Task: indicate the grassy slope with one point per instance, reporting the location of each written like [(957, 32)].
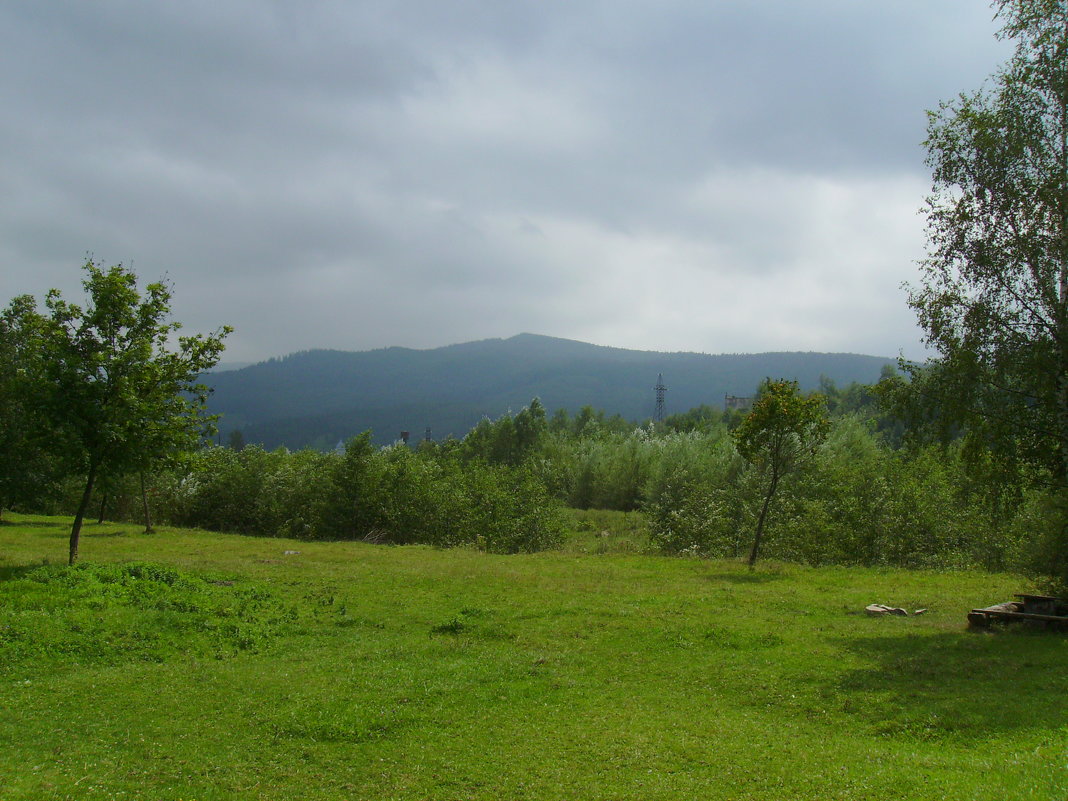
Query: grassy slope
[(416, 673)]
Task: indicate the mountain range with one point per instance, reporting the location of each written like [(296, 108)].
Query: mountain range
[(319, 397)]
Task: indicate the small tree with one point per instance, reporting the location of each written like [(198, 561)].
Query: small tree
[(779, 434), (116, 388)]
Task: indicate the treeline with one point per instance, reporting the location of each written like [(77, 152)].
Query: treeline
[(872, 494), (385, 495)]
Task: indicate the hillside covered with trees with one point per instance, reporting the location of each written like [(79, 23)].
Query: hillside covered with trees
[(317, 398)]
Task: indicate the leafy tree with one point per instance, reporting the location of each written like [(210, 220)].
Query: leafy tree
[(700, 418), (26, 464), (781, 431), (530, 428), (508, 440), (994, 296), (116, 388), (560, 422)]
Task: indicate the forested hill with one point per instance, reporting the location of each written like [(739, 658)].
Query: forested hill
[(319, 397)]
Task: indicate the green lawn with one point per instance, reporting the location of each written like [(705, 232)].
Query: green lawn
[(230, 669)]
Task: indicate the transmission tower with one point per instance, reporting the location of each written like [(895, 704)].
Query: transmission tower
[(660, 390)]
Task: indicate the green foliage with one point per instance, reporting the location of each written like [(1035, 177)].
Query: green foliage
[(391, 495), (699, 497), (250, 491), (994, 297), (855, 503), (141, 611), (868, 403), (115, 385), (995, 288), (605, 471), (508, 440), (29, 468), (607, 531), (783, 429), (401, 497), (1041, 528), (699, 418), (113, 390), (781, 432)]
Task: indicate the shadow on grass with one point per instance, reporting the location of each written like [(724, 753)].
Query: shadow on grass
[(744, 577), (36, 523), (90, 532), (958, 684), (13, 572)]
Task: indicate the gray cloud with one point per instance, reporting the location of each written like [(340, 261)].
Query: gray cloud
[(675, 175)]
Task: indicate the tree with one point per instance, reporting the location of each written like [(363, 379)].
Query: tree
[(236, 440), (116, 387), (26, 466), (993, 301), (530, 429), (508, 440), (781, 432)]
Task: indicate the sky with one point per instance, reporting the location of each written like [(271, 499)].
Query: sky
[(717, 176)]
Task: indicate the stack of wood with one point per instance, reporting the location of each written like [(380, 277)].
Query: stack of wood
[(1044, 609)]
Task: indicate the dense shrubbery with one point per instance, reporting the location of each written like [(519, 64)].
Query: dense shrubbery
[(857, 503), (391, 495), (859, 500)]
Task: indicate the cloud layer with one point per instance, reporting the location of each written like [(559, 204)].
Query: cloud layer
[(677, 175)]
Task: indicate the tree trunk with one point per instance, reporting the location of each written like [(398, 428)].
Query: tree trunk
[(76, 529), (763, 516), (103, 507), (144, 504), (1062, 311)]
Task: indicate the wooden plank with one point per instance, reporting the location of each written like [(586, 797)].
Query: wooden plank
[(1018, 615)]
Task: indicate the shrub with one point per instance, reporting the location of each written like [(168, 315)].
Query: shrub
[(857, 503), (393, 495)]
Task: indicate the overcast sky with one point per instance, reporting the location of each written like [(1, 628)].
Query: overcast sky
[(681, 175)]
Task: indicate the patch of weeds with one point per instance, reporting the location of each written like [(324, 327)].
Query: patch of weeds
[(466, 622), (455, 625), (598, 531), (129, 612)]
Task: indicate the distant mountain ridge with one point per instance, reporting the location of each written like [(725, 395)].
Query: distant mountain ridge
[(315, 398)]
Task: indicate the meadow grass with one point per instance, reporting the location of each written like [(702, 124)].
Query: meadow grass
[(607, 531), (193, 665)]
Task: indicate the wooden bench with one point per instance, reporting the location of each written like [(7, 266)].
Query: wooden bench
[(1039, 608)]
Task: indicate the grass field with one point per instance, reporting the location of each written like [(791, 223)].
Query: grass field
[(195, 666)]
